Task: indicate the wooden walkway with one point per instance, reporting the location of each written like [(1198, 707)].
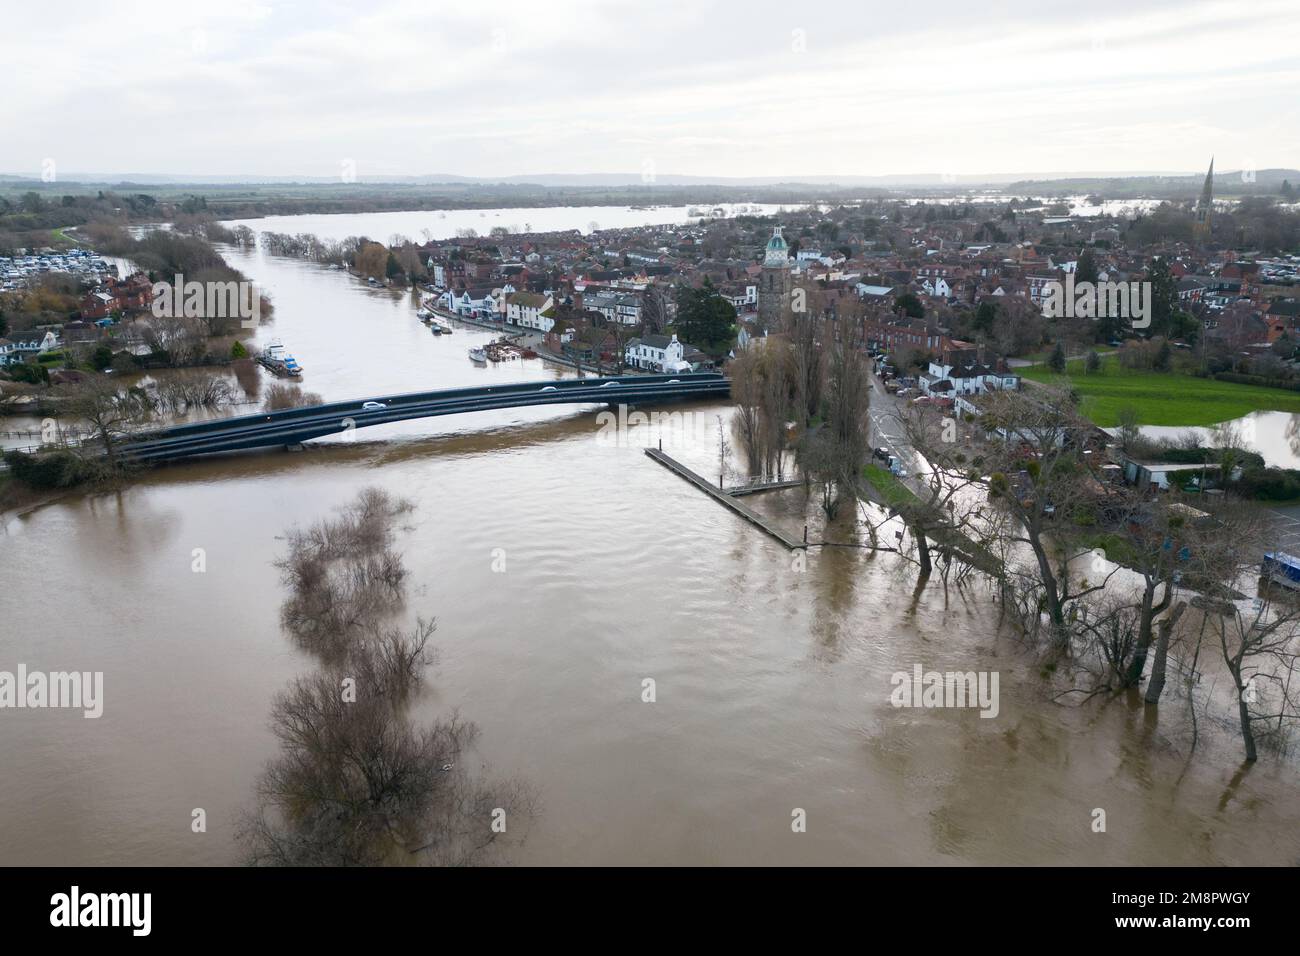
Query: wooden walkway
[(726, 499), (757, 485)]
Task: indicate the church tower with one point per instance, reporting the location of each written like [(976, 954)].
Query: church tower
[(774, 283), (1205, 205)]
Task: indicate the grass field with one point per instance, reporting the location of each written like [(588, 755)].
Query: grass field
[(1163, 398), (890, 489)]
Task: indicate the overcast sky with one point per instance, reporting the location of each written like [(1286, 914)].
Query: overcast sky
[(499, 87)]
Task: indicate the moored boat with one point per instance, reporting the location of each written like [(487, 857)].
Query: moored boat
[(277, 358), (478, 354)]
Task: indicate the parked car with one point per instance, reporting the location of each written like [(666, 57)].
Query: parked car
[(881, 453)]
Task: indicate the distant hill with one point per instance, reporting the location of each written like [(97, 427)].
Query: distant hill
[(606, 188), (927, 180), (1229, 183)]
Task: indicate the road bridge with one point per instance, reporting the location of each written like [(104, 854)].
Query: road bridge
[(296, 425)]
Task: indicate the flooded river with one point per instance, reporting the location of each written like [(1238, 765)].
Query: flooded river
[(420, 225), (772, 675)]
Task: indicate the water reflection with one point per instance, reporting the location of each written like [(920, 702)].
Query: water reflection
[(1275, 435)]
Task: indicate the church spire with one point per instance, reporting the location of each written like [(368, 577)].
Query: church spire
[(1205, 205)]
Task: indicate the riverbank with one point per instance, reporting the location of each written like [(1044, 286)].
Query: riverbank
[(535, 343)]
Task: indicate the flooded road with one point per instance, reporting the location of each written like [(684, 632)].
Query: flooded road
[(564, 570)]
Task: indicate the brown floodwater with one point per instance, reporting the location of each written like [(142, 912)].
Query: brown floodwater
[(772, 677)]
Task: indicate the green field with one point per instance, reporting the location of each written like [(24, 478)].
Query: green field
[(892, 491), (1164, 398)]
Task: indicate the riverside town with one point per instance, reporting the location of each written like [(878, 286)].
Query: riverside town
[(616, 435)]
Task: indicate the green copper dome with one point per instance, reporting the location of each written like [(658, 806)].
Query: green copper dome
[(777, 250)]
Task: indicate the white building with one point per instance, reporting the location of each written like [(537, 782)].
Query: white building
[(937, 286), (744, 301), (529, 310), (956, 374), (621, 308), (32, 343), (657, 353)]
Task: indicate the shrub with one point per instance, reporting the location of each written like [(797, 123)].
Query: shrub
[(1270, 484), (31, 374), (1240, 378), (53, 469)]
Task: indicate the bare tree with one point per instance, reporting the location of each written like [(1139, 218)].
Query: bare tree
[(110, 410), (654, 309), (834, 452), (1257, 645), (280, 396), (182, 339), (1037, 472), (182, 391), (762, 387), (805, 334)]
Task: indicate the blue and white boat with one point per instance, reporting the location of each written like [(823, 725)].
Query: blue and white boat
[(1282, 569), (277, 358)]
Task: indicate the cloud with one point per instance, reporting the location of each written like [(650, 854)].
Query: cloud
[(700, 88)]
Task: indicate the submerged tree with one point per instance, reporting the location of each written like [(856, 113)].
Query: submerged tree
[(343, 574), (357, 781), (762, 386)]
